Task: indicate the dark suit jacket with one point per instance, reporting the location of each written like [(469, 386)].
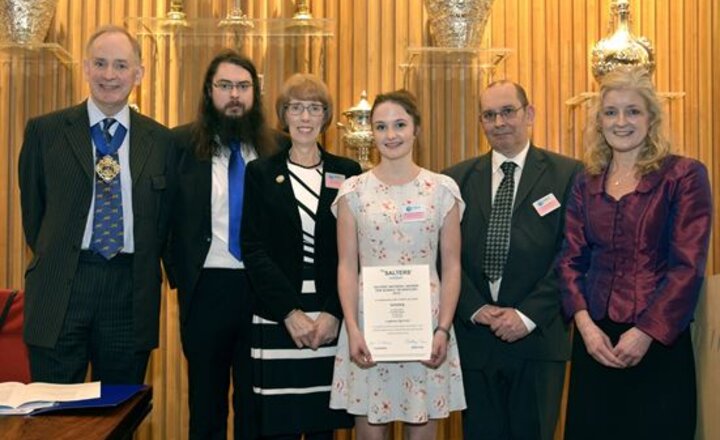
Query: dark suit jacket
[(272, 237), (56, 188), (190, 226), (529, 282)]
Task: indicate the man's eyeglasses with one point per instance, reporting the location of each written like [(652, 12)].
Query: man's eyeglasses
[(506, 113), (296, 109), (227, 86)]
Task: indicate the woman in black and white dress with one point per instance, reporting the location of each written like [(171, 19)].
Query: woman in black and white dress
[(290, 253)]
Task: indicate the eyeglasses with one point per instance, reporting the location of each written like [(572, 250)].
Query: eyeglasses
[(506, 113), (296, 109), (228, 86)]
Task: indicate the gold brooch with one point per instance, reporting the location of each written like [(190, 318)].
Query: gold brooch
[(107, 168), (280, 178)]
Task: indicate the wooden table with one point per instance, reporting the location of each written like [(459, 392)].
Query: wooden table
[(116, 423)]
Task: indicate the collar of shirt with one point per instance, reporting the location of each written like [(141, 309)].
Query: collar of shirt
[(96, 115), (248, 153), (519, 159)]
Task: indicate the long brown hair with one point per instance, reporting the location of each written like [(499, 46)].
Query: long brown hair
[(205, 128)]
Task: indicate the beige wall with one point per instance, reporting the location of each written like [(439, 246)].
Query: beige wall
[(550, 40)]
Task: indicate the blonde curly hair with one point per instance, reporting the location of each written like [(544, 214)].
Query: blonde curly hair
[(598, 152)]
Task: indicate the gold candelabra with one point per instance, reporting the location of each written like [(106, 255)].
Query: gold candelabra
[(236, 18), (176, 15), (621, 48), (302, 10)]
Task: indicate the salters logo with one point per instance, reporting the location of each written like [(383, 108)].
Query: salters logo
[(396, 273)]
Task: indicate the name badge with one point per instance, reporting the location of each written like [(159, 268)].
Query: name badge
[(413, 213), (334, 180), (547, 204)]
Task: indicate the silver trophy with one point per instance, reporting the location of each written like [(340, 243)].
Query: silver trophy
[(458, 23), (25, 22), (358, 133)]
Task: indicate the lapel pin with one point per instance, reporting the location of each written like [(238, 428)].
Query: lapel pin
[(280, 178)]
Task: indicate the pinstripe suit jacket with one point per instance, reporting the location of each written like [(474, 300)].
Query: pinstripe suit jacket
[(56, 188)]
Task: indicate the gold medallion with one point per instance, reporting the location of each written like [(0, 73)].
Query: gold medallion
[(107, 168)]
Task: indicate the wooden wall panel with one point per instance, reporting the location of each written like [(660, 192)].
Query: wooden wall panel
[(550, 39), (711, 123)]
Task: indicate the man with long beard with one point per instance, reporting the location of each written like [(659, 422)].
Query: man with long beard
[(203, 259)]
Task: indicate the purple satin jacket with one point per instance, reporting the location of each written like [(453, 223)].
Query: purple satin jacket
[(641, 259)]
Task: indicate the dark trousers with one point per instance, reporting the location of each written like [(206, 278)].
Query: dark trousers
[(98, 328), (216, 342), (324, 435), (512, 398), (655, 400)]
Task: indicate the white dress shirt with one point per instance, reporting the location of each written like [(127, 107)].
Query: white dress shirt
[(219, 255), (497, 176)]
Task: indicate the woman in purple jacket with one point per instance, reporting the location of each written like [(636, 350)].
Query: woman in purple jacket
[(637, 231)]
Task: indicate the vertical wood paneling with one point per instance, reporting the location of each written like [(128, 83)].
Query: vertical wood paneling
[(704, 82), (565, 77), (677, 69), (690, 141), (578, 75), (345, 61), (711, 121), (400, 28), (550, 40), (553, 77), (537, 67), (508, 22)]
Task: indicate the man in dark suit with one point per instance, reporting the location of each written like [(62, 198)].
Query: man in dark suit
[(94, 180), (513, 343), (203, 259)]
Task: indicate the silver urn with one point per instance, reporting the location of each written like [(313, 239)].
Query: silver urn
[(358, 131), (458, 23), (25, 22)]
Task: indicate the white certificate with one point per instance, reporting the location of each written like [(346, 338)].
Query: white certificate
[(397, 320)]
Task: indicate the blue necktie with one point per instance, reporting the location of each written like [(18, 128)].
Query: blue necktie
[(107, 236), (236, 182)]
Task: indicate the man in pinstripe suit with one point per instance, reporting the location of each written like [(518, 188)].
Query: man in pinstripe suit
[(94, 180)]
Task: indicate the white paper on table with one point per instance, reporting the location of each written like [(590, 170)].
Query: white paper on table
[(14, 395)]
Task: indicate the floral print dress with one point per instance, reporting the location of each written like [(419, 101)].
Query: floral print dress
[(403, 391)]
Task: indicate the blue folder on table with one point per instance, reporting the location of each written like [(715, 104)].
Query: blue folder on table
[(110, 396)]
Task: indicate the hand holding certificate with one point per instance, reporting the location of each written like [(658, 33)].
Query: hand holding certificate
[(397, 318)]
